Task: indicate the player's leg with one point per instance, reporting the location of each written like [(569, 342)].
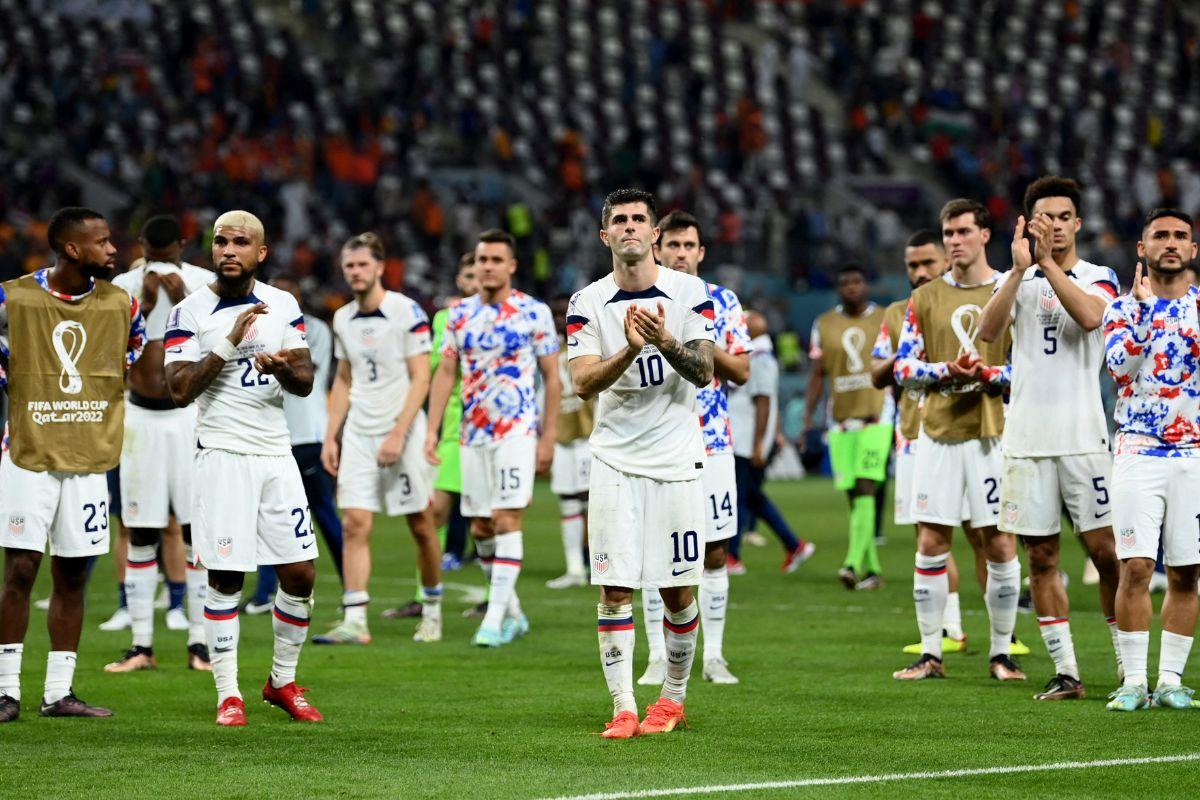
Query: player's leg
[(196, 578), (360, 494), (566, 481), (615, 634), (65, 623), (319, 490), (223, 629), (842, 449), (174, 567), (20, 572), (120, 551), (1086, 485), (720, 504), (483, 537), (1181, 553), (513, 463), (870, 472), (429, 562), (141, 581)]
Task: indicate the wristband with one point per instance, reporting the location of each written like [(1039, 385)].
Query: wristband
[(225, 350)]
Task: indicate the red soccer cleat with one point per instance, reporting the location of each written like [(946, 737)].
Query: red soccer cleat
[(290, 698), (623, 726), (232, 713), (663, 716)]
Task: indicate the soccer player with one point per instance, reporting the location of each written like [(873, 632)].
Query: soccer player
[(498, 338), (642, 339), (66, 339), (156, 457), (859, 416), (235, 347), (681, 247), (1055, 436), (959, 447), (572, 467), (1151, 342), (373, 440)]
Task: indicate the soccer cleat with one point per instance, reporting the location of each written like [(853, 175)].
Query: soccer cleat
[(847, 577), (567, 581), (345, 633), (717, 671), (872, 581), (1003, 668), (487, 637), (477, 611), (655, 674), (663, 716), (623, 726), (734, 566), (430, 630), (1091, 575), (802, 552), (1129, 698), (1025, 602), (72, 706), (119, 621), (406, 611), (176, 620), (255, 608), (927, 666), (949, 645), (290, 698), (198, 657), (232, 713), (1017, 647), (1062, 687), (514, 628), (451, 562), (10, 708), (135, 658), (1171, 697), (43, 604)]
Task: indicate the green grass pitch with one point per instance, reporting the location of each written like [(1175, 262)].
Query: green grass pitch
[(413, 721)]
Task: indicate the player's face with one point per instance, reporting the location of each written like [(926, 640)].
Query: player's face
[(467, 281), (92, 247), (1066, 224), (852, 288), (361, 269), (964, 239), (1167, 245), (630, 233), (236, 252), (924, 263), (681, 250), (494, 265)]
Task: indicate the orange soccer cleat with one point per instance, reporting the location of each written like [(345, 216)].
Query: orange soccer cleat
[(232, 713), (290, 698), (623, 726), (663, 716)]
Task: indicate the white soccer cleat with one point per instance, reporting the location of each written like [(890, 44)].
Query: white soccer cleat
[(717, 671), (176, 619), (655, 674), (430, 630), (568, 581), (119, 621), (43, 604), (1091, 575)]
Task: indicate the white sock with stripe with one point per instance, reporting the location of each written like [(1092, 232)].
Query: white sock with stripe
[(141, 579), (431, 602), (1172, 658), (714, 600), (197, 593), (652, 616), (572, 535), (222, 628), (290, 625), (1056, 633), (680, 629), (1003, 593), (614, 629), (354, 607), (506, 567), (931, 586)]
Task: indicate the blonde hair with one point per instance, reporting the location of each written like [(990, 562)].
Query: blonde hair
[(368, 240), (241, 219)]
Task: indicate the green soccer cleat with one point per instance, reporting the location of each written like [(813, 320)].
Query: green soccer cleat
[(487, 637), (513, 628), (1018, 648), (1129, 698), (949, 645), (1172, 697)]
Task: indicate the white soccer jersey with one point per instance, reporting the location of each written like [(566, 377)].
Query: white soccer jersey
[(646, 422), (378, 345), (241, 411), (194, 278), (1055, 409), (307, 417)]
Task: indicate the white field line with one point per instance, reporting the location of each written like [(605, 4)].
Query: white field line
[(898, 776)]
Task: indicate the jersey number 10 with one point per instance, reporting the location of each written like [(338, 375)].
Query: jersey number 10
[(651, 370)]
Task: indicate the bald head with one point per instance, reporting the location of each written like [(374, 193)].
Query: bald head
[(756, 324)]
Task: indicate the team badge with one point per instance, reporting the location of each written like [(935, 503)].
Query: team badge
[(16, 524), (225, 546), (131, 509), (1047, 299), (251, 331), (600, 563), (922, 502), (1010, 512), (1127, 537), (368, 336)]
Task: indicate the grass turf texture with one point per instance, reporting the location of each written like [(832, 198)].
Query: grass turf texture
[(448, 720)]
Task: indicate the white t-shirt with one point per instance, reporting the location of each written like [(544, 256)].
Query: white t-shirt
[(1055, 407), (646, 422), (378, 345), (156, 322), (763, 382), (307, 417), (241, 411)]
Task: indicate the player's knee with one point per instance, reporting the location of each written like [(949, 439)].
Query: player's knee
[(482, 528), (226, 582), (676, 598), (615, 596), (356, 524), (1181, 580), (70, 576), (144, 537), (1043, 559), (1136, 572), (21, 572), (505, 520)]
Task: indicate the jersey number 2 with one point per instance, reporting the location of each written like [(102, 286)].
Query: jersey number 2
[(249, 380)]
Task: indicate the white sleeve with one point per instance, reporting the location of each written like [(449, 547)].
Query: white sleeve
[(416, 338), (583, 329), (293, 332), (181, 340), (699, 319)]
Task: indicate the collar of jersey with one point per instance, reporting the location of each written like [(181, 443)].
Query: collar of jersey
[(368, 314), (644, 294), (957, 285), (44, 282), (234, 302)]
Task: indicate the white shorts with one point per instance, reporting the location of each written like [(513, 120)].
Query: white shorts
[(945, 472), (157, 460), (572, 468), (719, 478), (1155, 497), (403, 488), (498, 476), (905, 462), (67, 508), (1033, 491), (643, 533), (249, 511)]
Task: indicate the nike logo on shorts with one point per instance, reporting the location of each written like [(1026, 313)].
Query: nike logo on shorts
[(306, 546), (677, 572), (723, 527), (98, 541), (1105, 514)]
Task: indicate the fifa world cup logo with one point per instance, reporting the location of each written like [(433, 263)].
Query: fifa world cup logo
[(965, 324), (69, 339), (853, 340)]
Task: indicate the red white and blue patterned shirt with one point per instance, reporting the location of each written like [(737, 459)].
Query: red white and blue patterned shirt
[(713, 400)]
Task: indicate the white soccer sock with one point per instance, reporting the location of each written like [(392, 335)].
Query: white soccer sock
[(10, 669), (197, 593), (931, 585), (1172, 658), (1003, 592), (1056, 633), (614, 626), (431, 602), (572, 535), (141, 579), (1112, 630), (952, 618), (354, 607), (290, 624), (505, 569), (60, 671), (652, 615), (680, 628), (514, 604), (1134, 647), (222, 628), (714, 600)]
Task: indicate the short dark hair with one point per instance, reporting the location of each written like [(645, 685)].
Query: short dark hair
[(1173, 213), (467, 259), (162, 231), (846, 269), (679, 220), (368, 240), (962, 206), (1052, 186), (497, 236), (64, 221), (623, 196), (926, 236)]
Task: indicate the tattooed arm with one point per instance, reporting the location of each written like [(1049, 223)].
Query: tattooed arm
[(693, 360)]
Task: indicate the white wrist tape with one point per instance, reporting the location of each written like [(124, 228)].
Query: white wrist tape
[(225, 350)]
